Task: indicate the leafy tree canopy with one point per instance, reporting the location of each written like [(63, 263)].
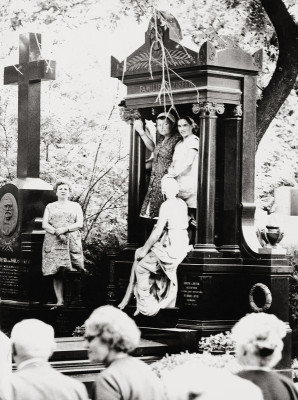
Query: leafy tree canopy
[(81, 135)]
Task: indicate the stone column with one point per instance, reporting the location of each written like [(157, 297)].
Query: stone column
[(206, 176), (230, 233), (137, 181)]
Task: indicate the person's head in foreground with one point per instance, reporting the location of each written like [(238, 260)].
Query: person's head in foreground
[(110, 334), (194, 381), (32, 338), (258, 338)]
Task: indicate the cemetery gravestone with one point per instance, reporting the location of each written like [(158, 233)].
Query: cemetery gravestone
[(225, 276), (23, 201)]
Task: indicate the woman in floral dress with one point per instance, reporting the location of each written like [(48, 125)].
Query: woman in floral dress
[(62, 246), (163, 153)]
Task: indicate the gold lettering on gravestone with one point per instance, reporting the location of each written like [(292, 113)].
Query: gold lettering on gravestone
[(191, 293)]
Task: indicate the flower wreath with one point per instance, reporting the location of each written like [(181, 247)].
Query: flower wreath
[(268, 297)]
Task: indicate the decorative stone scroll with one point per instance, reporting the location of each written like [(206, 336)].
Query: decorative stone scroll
[(128, 114), (208, 108)]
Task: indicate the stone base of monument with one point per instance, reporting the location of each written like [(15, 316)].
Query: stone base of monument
[(63, 319), (165, 318), (215, 292)]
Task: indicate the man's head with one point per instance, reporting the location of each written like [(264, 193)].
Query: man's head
[(32, 338), (7, 207)]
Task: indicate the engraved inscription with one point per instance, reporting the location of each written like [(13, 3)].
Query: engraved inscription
[(155, 87), (14, 278), (190, 293)]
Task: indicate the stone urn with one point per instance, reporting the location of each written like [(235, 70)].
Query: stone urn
[(272, 235)]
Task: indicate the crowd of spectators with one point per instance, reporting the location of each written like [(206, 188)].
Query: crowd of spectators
[(110, 338)]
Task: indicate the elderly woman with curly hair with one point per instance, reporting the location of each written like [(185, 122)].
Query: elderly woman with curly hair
[(110, 337), (259, 347)]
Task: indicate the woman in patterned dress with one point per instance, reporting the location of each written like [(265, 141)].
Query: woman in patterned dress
[(163, 153), (62, 246)]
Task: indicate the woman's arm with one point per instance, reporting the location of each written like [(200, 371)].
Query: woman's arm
[(75, 226), (179, 166), (144, 134), (45, 223)]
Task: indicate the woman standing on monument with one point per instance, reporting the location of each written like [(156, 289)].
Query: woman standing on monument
[(184, 167), (163, 153), (62, 246)]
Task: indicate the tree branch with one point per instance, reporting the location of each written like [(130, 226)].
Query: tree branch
[(286, 71)]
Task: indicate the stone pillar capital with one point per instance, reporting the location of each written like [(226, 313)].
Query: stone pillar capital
[(129, 114), (208, 108)]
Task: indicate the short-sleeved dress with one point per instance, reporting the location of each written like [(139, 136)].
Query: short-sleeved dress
[(55, 253), (163, 154), (188, 180)]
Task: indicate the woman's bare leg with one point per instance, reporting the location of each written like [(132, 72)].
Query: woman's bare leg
[(130, 287), (58, 288)]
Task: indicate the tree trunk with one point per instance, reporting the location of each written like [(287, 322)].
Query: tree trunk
[(286, 71)]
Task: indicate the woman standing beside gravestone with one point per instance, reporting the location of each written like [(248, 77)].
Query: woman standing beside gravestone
[(163, 153), (62, 246)]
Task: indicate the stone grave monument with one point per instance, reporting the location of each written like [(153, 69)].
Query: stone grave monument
[(22, 203), (225, 276)]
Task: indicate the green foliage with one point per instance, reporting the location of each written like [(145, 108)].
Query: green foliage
[(277, 157), (81, 136)]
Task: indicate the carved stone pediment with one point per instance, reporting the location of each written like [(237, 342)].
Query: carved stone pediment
[(163, 49)]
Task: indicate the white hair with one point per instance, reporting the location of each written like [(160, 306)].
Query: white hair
[(33, 338), (258, 338), (115, 328)]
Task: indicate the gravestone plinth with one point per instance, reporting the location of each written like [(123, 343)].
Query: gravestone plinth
[(22, 204)]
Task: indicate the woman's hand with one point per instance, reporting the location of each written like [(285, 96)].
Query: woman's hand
[(140, 253), (62, 238), (60, 231)]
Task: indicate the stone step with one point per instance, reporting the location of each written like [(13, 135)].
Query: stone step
[(71, 349)]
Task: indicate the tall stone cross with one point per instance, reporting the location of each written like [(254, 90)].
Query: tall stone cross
[(28, 75)]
